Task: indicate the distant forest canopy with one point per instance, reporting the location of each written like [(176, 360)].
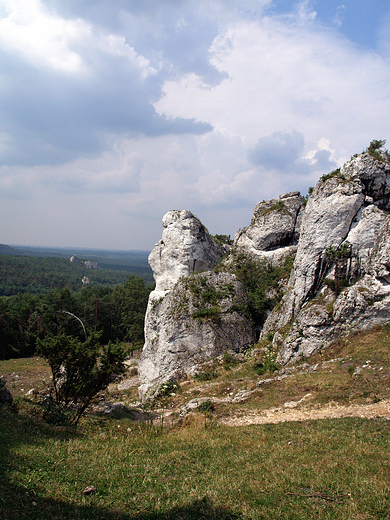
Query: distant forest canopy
[(38, 270), (42, 293), (116, 312)]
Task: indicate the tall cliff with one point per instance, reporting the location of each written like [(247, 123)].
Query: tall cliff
[(193, 314), (339, 281)]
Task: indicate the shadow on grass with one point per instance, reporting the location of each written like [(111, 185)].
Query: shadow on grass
[(20, 502), (21, 508)]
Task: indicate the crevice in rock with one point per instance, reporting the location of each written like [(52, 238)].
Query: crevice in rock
[(285, 242)]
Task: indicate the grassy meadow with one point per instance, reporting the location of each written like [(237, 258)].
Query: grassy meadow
[(201, 469)]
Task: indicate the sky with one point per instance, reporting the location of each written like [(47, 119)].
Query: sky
[(114, 112)]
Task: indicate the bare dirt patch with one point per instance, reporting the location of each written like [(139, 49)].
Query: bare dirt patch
[(305, 413)]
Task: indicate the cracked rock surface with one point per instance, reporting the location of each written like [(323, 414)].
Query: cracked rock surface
[(348, 209)]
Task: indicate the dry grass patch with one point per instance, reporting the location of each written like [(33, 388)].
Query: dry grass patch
[(24, 374)]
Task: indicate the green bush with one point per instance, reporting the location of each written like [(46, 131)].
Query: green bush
[(212, 313), (343, 251), (80, 370), (206, 407), (223, 239), (258, 277), (267, 363), (336, 285), (55, 414), (228, 361), (168, 388), (335, 173), (375, 148)]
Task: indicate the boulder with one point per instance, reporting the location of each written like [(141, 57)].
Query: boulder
[(5, 394)]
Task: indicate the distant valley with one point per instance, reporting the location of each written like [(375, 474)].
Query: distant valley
[(39, 270)]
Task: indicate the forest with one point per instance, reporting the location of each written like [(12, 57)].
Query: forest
[(39, 271), (117, 312), (43, 296)]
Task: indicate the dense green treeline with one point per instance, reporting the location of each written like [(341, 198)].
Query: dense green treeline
[(40, 275), (117, 312)]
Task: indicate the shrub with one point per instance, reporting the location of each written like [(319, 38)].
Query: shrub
[(278, 206), (374, 149), (223, 239), (331, 175), (336, 285), (342, 251), (80, 370), (168, 388), (228, 361), (212, 313), (206, 407), (267, 363), (258, 277), (306, 197)]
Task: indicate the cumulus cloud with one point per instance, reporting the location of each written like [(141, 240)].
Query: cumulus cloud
[(280, 77), (279, 150), (114, 112), (68, 85)]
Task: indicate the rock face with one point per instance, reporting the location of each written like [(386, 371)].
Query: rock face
[(339, 283), (274, 228), (343, 241), (184, 249), (193, 314), (88, 264)]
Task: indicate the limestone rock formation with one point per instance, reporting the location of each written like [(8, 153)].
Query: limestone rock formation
[(193, 314), (88, 264), (185, 248), (197, 320), (343, 241), (274, 228), (339, 283)]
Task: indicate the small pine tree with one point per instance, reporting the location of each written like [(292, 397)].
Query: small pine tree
[(80, 369)]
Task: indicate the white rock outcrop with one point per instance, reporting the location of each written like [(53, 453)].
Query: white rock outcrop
[(274, 228), (193, 314), (343, 240), (185, 248), (339, 283)]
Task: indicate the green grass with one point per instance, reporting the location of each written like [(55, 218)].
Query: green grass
[(326, 469), (257, 472)]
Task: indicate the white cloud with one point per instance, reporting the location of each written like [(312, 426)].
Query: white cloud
[(40, 37), (384, 37), (45, 39), (286, 98), (340, 15), (305, 12), (283, 77)]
